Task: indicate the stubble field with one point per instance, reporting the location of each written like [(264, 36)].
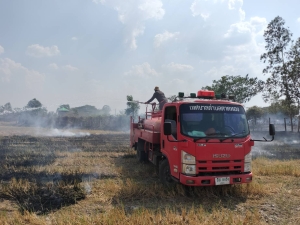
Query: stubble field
[(96, 179)]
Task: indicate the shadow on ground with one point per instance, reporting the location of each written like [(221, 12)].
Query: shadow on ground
[(142, 189)]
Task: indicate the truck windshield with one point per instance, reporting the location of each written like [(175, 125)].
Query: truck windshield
[(213, 120)]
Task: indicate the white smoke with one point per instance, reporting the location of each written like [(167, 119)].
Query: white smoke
[(259, 149), (18, 110), (88, 188), (65, 133)]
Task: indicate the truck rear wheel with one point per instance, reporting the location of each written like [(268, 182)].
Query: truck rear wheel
[(165, 173), (141, 155)]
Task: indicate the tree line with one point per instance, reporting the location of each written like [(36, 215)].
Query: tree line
[(84, 117)]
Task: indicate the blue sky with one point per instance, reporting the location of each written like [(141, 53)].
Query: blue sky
[(98, 51)]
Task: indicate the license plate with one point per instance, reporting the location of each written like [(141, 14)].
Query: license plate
[(222, 180)]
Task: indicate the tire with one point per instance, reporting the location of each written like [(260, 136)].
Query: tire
[(141, 155), (165, 173)]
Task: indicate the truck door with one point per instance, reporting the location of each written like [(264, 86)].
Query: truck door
[(169, 143)]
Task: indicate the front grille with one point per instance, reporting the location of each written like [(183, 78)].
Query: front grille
[(221, 161), (219, 173), (219, 167)]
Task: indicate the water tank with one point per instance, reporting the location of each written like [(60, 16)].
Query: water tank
[(153, 124)]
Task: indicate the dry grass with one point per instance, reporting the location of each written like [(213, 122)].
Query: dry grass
[(267, 167), (97, 180)]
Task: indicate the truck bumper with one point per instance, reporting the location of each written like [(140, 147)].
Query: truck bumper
[(211, 180)]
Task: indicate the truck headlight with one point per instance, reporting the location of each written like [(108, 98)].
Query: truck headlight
[(187, 158), (248, 157), (247, 162), (247, 167), (189, 169)]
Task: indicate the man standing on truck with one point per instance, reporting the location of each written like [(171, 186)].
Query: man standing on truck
[(159, 96)]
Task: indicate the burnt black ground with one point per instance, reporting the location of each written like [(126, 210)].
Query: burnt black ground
[(19, 153), (42, 192), (286, 145)]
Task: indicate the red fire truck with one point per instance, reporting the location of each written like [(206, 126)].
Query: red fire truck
[(199, 140)]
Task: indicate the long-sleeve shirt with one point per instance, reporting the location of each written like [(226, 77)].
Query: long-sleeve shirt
[(159, 95)]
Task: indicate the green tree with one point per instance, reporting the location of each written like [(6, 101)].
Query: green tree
[(6, 107), (278, 39), (106, 110), (293, 68), (282, 106), (243, 88), (132, 107), (254, 113), (34, 103), (282, 58)]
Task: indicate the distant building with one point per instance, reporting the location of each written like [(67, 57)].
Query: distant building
[(81, 111), (87, 110), (62, 111)]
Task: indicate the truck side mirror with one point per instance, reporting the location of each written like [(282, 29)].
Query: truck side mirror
[(167, 128), (271, 132), (271, 129)]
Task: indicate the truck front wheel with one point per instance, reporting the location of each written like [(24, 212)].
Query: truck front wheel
[(165, 173)]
